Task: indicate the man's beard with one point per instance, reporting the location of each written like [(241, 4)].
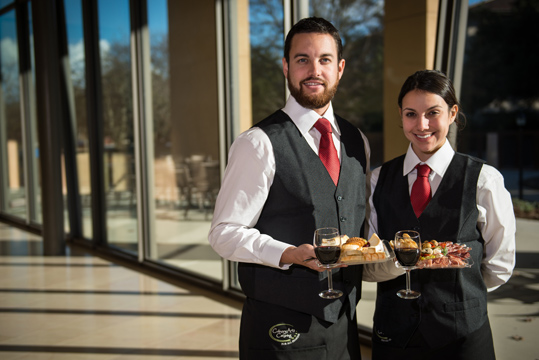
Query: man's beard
[(312, 101)]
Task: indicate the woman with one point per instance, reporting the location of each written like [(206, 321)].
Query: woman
[(468, 204)]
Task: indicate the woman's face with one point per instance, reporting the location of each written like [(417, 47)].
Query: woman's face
[(425, 120)]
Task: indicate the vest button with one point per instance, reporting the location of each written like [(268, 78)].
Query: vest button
[(343, 219), (339, 198)]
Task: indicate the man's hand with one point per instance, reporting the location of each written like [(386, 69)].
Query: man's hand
[(302, 255)]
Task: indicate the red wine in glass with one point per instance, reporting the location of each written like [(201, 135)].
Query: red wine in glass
[(407, 256), (407, 245), (328, 254), (327, 248)]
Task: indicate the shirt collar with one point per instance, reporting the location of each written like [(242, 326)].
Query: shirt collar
[(438, 162), (304, 118)]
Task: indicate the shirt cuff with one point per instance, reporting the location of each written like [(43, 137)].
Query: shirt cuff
[(272, 253)]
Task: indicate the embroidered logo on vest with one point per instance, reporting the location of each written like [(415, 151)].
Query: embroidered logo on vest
[(285, 334), (381, 336)]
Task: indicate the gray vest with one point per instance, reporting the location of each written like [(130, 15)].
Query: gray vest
[(453, 303), (301, 199)]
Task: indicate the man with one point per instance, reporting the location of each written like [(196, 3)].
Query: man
[(276, 191)]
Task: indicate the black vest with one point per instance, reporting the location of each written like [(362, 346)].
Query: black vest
[(301, 199), (453, 302)]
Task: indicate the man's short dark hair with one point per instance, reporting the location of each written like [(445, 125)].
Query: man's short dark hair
[(312, 25)]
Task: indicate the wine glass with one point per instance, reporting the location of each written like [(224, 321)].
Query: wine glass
[(327, 247), (407, 250)]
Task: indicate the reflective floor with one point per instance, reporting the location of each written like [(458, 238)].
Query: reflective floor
[(83, 307)]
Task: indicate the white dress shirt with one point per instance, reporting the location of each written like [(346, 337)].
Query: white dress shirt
[(496, 220), (246, 183)]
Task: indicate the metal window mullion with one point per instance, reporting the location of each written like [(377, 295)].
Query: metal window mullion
[(458, 43), (4, 188), (442, 45), (4, 170), (94, 110), (48, 108), (456, 55), (231, 63), (300, 10), (143, 128), (69, 129), (221, 34), (450, 45), (293, 11), (227, 75)]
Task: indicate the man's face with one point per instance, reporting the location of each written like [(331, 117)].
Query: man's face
[(314, 70)]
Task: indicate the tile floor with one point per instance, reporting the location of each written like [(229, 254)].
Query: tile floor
[(83, 307)]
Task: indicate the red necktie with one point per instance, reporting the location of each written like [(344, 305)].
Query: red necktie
[(421, 196), (327, 151)]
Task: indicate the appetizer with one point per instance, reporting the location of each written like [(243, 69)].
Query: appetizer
[(443, 254), (357, 249)]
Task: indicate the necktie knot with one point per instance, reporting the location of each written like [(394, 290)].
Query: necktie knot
[(323, 126), (423, 170)]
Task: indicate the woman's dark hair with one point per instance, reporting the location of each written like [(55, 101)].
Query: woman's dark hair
[(435, 82), (312, 25)]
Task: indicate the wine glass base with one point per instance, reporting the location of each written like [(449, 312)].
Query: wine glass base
[(403, 294), (330, 294)]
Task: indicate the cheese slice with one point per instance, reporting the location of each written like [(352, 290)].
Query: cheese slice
[(374, 240)]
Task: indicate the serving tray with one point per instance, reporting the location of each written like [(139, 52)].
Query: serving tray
[(383, 248)]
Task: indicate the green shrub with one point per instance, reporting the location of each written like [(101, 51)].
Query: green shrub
[(526, 209)]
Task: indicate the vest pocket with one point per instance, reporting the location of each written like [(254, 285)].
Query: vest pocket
[(309, 353), (467, 316), (461, 306)]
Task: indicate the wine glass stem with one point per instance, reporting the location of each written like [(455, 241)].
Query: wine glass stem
[(408, 290), (330, 280)]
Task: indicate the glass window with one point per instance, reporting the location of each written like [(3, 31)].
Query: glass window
[(185, 134), (256, 85), (11, 136), (498, 97), (360, 95), (75, 40), (266, 39), (120, 180)]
